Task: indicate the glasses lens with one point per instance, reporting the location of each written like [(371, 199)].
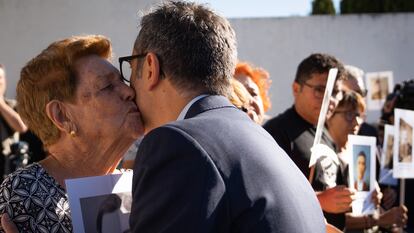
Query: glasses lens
[(350, 116), (319, 91), (126, 71)]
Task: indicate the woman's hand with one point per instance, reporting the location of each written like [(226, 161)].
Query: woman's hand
[(8, 225)]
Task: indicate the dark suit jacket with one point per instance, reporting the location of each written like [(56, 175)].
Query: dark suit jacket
[(218, 171)]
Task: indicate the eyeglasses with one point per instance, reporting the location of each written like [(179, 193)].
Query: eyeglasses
[(350, 116), (319, 90), (125, 66)]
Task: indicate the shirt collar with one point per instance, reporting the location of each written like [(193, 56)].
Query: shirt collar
[(185, 109)]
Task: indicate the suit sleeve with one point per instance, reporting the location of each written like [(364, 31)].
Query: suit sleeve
[(175, 184)]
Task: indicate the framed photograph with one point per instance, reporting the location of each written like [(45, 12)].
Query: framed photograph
[(100, 204), (361, 152), (387, 157), (379, 85), (403, 144)]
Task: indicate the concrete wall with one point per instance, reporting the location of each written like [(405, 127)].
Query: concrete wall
[(372, 42)]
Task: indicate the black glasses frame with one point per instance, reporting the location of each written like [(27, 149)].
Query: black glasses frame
[(128, 59), (319, 90)]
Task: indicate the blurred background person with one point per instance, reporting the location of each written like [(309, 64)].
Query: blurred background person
[(345, 120), (355, 82), (294, 130), (257, 83), (75, 101), (402, 97), (11, 125)]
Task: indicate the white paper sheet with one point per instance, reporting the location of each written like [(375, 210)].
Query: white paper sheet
[(100, 203)]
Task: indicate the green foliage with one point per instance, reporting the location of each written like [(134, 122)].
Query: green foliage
[(323, 7), (376, 6)]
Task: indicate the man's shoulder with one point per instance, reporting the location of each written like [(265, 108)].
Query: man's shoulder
[(281, 118), (287, 123)]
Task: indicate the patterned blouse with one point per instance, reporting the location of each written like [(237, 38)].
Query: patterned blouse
[(35, 201)]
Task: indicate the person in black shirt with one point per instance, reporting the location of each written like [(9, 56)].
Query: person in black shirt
[(294, 131), (10, 122)]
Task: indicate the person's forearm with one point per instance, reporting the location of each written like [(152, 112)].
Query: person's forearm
[(12, 118), (360, 222)]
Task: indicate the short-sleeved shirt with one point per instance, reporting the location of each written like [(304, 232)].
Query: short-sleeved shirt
[(35, 201), (295, 135)]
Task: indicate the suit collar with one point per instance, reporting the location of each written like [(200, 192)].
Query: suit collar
[(208, 103)]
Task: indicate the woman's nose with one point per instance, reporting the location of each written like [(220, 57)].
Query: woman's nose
[(127, 92)]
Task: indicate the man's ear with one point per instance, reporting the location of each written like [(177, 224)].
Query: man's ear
[(296, 88), (151, 70), (59, 115)]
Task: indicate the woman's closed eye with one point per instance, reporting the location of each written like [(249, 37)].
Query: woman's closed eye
[(108, 87)]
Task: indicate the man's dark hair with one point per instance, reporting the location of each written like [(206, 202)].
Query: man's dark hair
[(195, 46), (318, 63), (402, 97), (362, 153), (1, 66)]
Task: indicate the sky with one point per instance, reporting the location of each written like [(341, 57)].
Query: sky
[(262, 8)]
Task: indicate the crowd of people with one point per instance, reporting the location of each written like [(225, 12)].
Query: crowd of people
[(205, 155)]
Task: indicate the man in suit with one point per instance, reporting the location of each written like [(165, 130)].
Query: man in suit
[(203, 165)]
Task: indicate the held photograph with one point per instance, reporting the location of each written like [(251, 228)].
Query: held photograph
[(403, 166), (100, 204), (362, 172), (379, 85), (387, 157)]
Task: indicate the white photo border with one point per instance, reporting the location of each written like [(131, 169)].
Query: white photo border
[(363, 201)]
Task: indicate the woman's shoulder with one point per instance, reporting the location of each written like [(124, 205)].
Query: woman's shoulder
[(32, 171), (24, 179), (31, 195)]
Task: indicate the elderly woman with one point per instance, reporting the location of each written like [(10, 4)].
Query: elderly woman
[(346, 119), (257, 83), (74, 100)]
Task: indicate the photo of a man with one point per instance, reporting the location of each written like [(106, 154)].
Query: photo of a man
[(361, 168), (405, 142)]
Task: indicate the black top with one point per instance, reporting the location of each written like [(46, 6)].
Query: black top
[(35, 201), (295, 135), (6, 134)]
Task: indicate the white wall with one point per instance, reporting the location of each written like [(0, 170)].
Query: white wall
[(27, 27), (372, 42)]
